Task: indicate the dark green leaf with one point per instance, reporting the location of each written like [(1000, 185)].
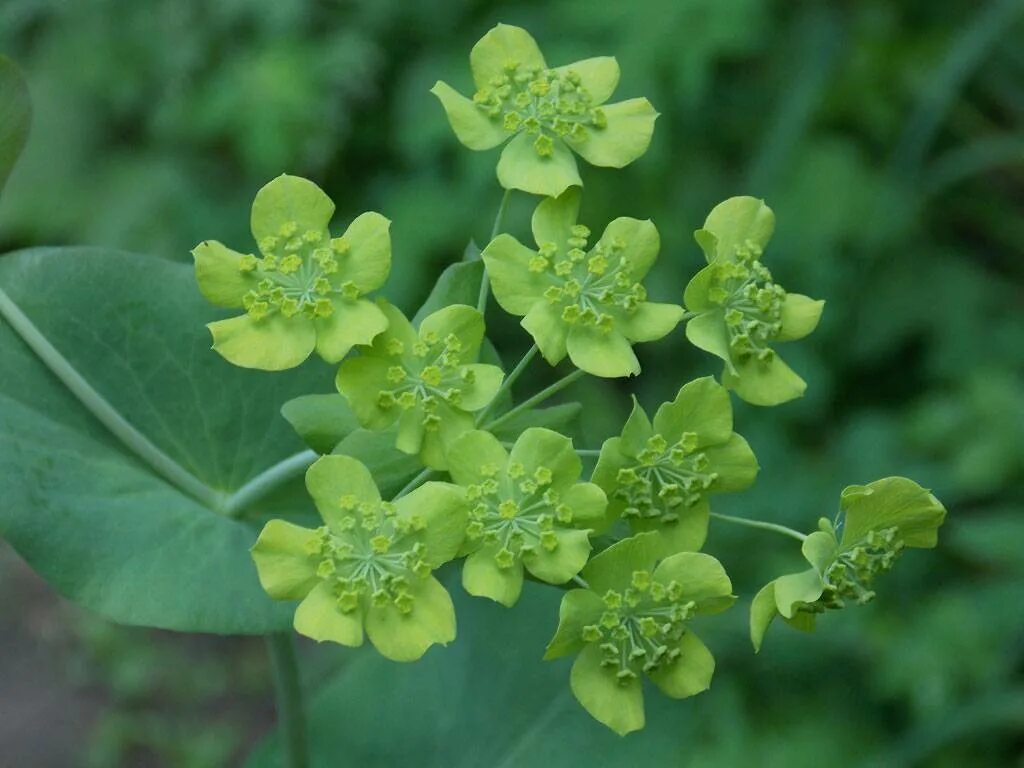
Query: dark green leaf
[(15, 116), (322, 421), (458, 284)]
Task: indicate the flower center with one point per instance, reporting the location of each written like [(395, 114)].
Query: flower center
[(429, 374), (368, 558), (665, 479), (850, 577), (752, 303), (518, 514), (542, 102), (640, 627), (298, 272), (592, 288)]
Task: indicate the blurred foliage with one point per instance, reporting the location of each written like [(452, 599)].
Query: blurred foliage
[(889, 139)]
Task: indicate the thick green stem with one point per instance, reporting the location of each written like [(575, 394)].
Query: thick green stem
[(588, 451), (499, 221), (537, 399), (416, 482), (267, 481), (762, 525), (507, 383), (291, 716), (104, 412)]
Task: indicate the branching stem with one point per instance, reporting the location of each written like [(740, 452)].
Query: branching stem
[(537, 399), (507, 384), (499, 221), (761, 524)]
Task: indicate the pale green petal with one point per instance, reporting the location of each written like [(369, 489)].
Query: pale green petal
[(441, 509), (650, 321), (601, 353), (702, 578), (588, 504), (687, 534), (503, 44), (770, 383), (640, 243), (354, 321), (611, 460), (800, 316), (286, 569), (461, 320), (701, 406), (820, 550), (319, 618), (708, 244), (598, 75), (332, 477), (564, 562), (892, 501), (617, 705), (220, 279), (695, 297), (407, 636), (472, 126), (520, 167), (274, 343), (485, 385), (735, 464), (290, 200), (411, 432), (762, 612), (795, 588), (399, 330), (361, 380), (515, 287), (708, 331), (636, 431), (579, 608), (454, 422), (690, 673), (738, 220), (475, 456), (367, 262), (554, 218), (482, 577), (539, 447), (613, 568), (627, 135), (544, 323)]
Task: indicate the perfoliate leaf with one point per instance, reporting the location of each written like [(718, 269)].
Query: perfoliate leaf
[(322, 421), (15, 116)]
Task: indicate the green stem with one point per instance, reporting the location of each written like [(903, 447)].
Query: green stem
[(416, 482), (104, 412), (499, 220), (267, 481), (538, 398), (588, 451), (507, 383), (689, 316), (291, 718), (582, 582), (761, 524)]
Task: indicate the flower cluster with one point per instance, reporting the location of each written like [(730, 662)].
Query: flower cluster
[(740, 311), (875, 523)]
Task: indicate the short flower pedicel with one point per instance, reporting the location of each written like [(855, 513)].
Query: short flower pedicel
[(658, 476), (740, 311), (632, 621), (549, 113), (370, 565), (429, 382), (305, 291), (875, 523), (587, 303), (526, 510)]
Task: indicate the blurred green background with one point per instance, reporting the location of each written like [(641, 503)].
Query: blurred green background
[(889, 139)]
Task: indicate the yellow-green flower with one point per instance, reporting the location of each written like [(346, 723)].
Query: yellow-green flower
[(305, 290), (549, 113)]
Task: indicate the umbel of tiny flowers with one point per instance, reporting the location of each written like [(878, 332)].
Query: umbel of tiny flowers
[(428, 382), (875, 523), (305, 290), (740, 311), (632, 620), (658, 476), (587, 303), (369, 567), (526, 510), (548, 113)]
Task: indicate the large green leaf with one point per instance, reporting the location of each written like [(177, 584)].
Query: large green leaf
[(97, 521), (15, 116), (458, 284), (486, 700)]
